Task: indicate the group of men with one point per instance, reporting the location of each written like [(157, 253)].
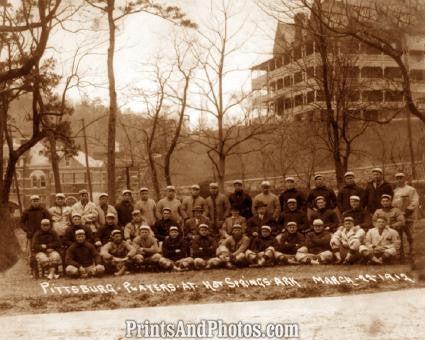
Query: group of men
[(357, 224)]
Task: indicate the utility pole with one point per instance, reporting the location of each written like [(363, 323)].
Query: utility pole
[(87, 161)]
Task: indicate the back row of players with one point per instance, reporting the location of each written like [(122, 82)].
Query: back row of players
[(223, 230)]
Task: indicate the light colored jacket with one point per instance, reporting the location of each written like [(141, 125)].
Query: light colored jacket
[(352, 238), (406, 198), (222, 207), (61, 218), (89, 212), (175, 205), (389, 239), (102, 217)]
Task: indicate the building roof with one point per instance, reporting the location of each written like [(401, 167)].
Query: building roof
[(93, 163)]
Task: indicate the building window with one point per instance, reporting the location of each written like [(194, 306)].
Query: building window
[(392, 72), (280, 106), (417, 75), (271, 65), (288, 103), (310, 97), (298, 77), (34, 181), (42, 181), (310, 72), (67, 162), (286, 58), (353, 96), (320, 96), (298, 53), (279, 84), (371, 72), (278, 62), (298, 100), (393, 96), (287, 81), (272, 86), (373, 96), (353, 72), (309, 48)]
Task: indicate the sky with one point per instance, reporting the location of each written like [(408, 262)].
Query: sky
[(142, 37)]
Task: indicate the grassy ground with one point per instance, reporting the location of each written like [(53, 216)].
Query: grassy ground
[(20, 294)]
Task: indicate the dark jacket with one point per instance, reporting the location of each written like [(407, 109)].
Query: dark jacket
[(103, 234), (204, 246), (261, 243), (292, 193), (191, 226), (124, 210), (243, 201), (298, 216), (361, 217), (175, 249), (317, 243), (373, 195), (49, 238), (324, 191), (69, 236), (289, 243), (161, 227), (255, 223), (82, 254), (328, 216), (343, 199), (31, 219)]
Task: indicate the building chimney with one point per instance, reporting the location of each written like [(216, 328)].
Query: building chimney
[(299, 22)]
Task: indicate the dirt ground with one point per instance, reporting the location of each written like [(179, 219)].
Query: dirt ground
[(20, 294)]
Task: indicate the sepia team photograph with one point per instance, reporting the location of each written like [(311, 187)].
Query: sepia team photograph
[(212, 169)]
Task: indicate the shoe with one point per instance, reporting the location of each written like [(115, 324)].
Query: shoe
[(376, 260), (229, 265), (261, 262), (50, 276), (56, 276), (292, 261), (314, 262)]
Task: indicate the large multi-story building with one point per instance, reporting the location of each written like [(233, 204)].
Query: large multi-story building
[(287, 85)]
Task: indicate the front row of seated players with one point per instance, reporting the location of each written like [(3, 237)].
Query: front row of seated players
[(348, 244)]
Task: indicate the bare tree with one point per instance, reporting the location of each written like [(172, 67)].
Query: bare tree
[(115, 12), (231, 112)]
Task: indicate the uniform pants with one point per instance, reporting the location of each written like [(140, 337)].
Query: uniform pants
[(303, 256), (93, 270)]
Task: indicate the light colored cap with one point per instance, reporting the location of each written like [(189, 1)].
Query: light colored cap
[(197, 208), (203, 225), (377, 170), (45, 221), (116, 231), (80, 231), (170, 188), (60, 195), (348, 218), (236, 226), (135, 212), (34, 197), (195, 186), (110, 215), (173, 227), (400, 174), (318, 221), (292, 200), (103, 194), (144, 227), (83, 191), (290, 179), (237, 181), (266, 227), (265, 184), (355, 197), (126, 191), (320, 198), (291, 223), (386, 196), (317, 176), (349, 173), (74, 214), (166, 209), (214, 185), (143, 189)]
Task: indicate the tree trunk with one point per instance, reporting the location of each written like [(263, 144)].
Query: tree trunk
[(411, 149), (221, 173), (113, 106), (154, 176), (167, 170), (9, 246), (55, 163)]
